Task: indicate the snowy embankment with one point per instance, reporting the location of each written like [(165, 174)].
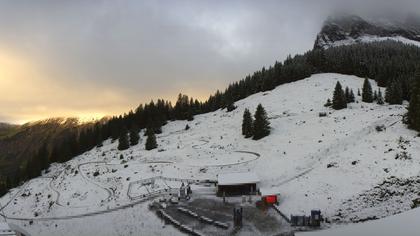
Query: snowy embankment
[(405, 224), (328, 163), (371, 39)]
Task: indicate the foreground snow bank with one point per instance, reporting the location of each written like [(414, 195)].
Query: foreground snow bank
[(404, 224)]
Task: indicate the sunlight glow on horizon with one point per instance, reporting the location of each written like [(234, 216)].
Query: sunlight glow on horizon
[(28, 96)]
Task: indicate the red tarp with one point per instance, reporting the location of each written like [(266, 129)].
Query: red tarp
[(270, 199)]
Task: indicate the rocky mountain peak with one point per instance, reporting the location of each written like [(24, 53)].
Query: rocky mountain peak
[(350, 29)]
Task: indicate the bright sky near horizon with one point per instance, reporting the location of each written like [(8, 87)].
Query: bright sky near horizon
[(104, 57)]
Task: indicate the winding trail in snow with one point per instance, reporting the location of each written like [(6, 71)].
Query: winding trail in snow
[(257, 156), (134, 200), (108, 191), (50, 184), (204, 142), (23, 187), (75, 216), (338, 146), (15, 195)]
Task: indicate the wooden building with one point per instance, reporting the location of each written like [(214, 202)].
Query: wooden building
[(236, 184)]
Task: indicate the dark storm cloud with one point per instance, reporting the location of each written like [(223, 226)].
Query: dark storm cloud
[(127, 52)]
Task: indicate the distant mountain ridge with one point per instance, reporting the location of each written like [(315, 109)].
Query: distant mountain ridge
[(7, 129), (350, 29), (20, 142)]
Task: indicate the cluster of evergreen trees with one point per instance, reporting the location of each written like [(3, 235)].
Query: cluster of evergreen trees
[(413, 115), (391, 64), (394, 93), (126, 140), (380, 61), (257, 128), (341, 97), (368, 96)]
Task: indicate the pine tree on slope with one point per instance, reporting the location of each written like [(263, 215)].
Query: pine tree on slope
[(123, 140), (367, 95), (247, 121), (230, 107), (413, 114), (339, 98), (347, 94), (151, 140), (393, 93), (42, 157), (380, 100), (134, 136), (261, 123), (352, 97)]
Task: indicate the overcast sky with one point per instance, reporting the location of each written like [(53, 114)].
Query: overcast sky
[(93, 58)]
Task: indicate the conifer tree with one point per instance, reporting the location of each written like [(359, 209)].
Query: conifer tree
[(123, 140), (380, 100), (33, 168), (3, 188), (358, 93), (393, 93), (99, 136), (352, 98), (134, 135), (17, 177), (8, 183), (151, 140), (413, 115), (367, 95), (190, 115), (230, 106), (55, 154), (339, 98), (42, 157), (261, 123), (347, 94), (247, 129)]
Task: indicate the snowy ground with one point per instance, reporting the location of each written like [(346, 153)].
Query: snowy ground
[(403, 224), (293, 160), (370, 39)]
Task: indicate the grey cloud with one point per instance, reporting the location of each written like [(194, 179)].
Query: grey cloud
[(149, 49)]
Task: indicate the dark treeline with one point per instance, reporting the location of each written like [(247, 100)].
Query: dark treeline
[(383, 62)]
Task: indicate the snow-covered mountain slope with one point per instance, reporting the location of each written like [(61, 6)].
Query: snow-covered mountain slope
[(402, 224), (347, 30), (329, 163)]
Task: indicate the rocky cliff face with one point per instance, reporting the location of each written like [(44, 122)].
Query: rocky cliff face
[(349, 29)]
